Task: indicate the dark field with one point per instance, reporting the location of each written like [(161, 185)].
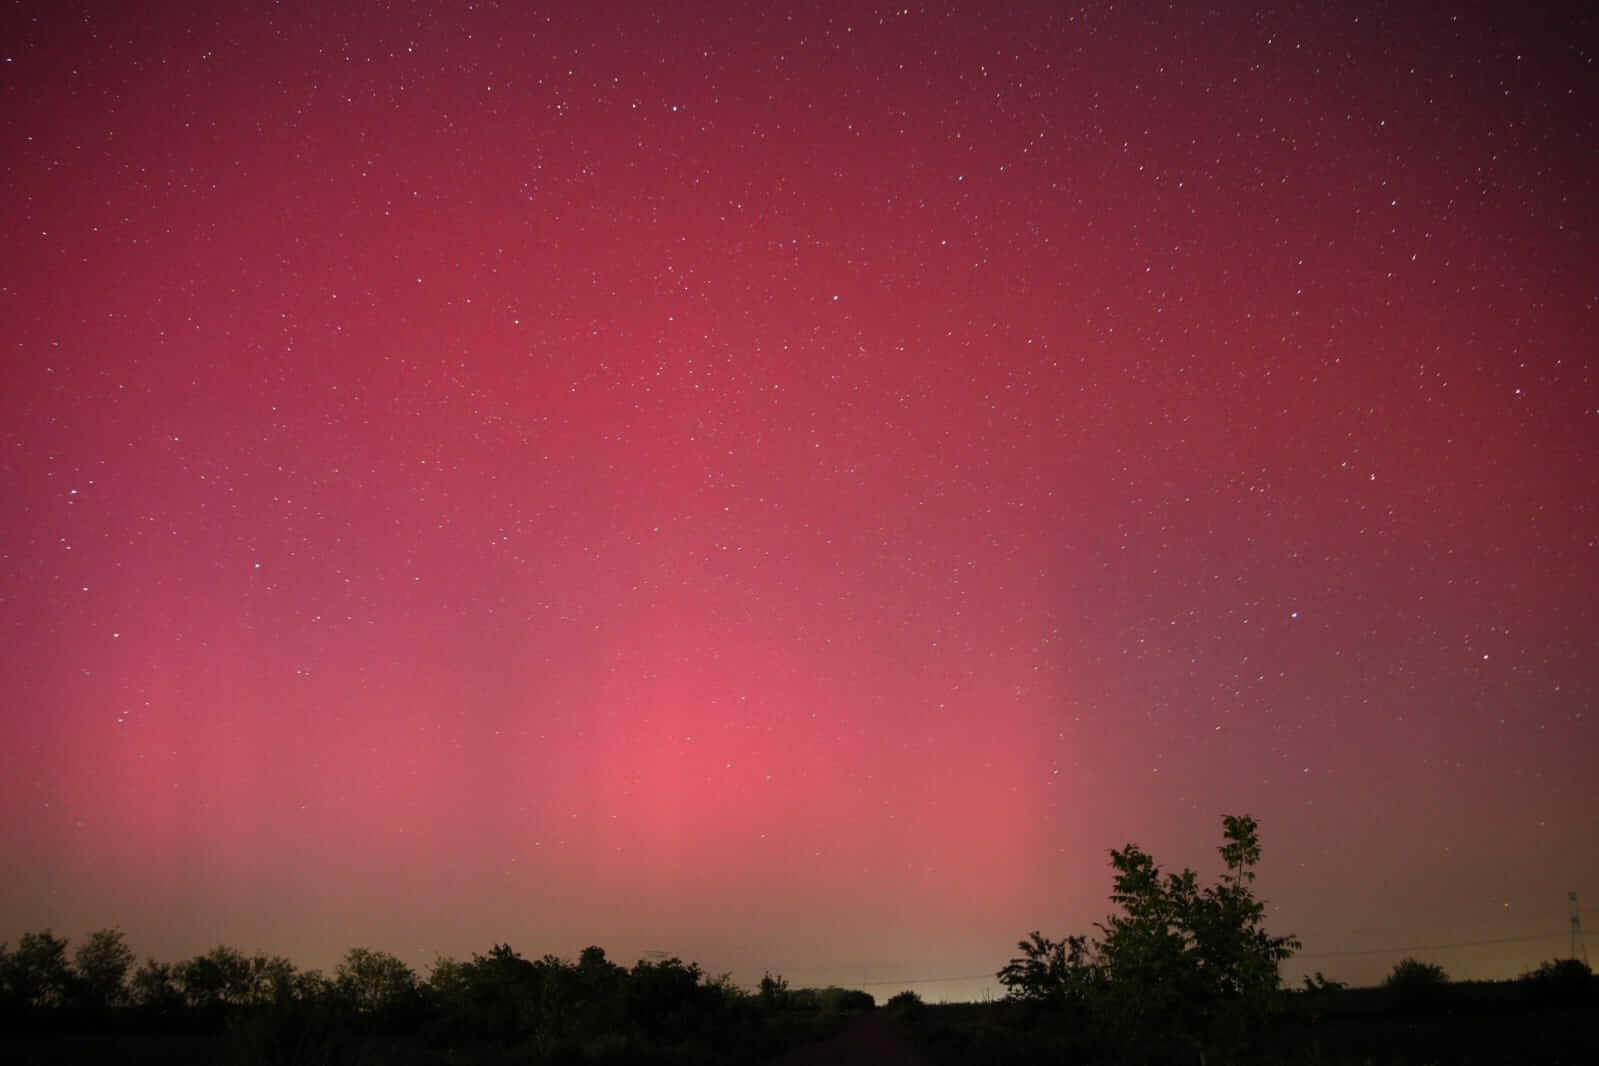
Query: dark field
[(1466, 1023)]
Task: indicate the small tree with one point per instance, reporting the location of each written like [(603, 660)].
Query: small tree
[(1320, 985), (906, 1004), (1049, 971), (1412, 973), (773, 991), (1413, 983)]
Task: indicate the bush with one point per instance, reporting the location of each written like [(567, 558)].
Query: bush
[(1413, 983), (1412, 973), (1562, 982), (906, 1004), (843, 1000)]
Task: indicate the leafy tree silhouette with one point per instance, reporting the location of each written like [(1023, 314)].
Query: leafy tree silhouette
[(1562, 982), (374, 983), (661, 995), (217, 979), (1413, 983), (1179, 969), (154, 989), (1413, 973), (1050, 972), (597, 999), (773, 991), (102, 963), (36, 976)]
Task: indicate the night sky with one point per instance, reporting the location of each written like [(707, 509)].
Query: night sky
[(792, 487)]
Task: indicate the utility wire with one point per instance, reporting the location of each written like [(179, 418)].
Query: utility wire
[(929, 980), (1430, 947), (903, 981)]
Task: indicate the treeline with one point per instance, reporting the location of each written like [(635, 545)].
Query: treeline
[(1414, 986), (493, 1007)]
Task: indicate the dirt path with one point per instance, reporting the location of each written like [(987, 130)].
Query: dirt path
[(874, 1039)]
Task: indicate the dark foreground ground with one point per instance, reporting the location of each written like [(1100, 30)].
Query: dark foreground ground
[(874, 1039), (1358, 1033)]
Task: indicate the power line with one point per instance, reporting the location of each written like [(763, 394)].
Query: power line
[(990, 976), (929, 980), (1427, 947)]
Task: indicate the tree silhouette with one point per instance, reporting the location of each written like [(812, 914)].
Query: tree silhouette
[(1414, 983), (1051, 972), (1187, 965), (154, 989), (773, 991), (1178, 968), (225, 977), (374, 982), (36, 976), (1562, 982), (102, 963), (1413, 973)]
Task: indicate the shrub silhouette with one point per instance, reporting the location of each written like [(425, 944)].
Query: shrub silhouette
[(1562, 982), (1413, 983), (906, 1004), (1412, 973), (774, 991)]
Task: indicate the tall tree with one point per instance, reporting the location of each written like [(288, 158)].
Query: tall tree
[(36, 975), (102, 963), (374, 982)]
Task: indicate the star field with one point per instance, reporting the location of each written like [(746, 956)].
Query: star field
[(794, 487)]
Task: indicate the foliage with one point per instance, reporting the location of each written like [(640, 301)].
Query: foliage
[(1560, 970), (495, 1008), (1562, 982), (1179, 968), (906, 1004), (1412, 973), (1050, 972), (837, 1000), (773, 990), (1317, 984), (1413, 983), (36, 975), (154, 989), (102, 963), (374, 983), (224, 977)]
